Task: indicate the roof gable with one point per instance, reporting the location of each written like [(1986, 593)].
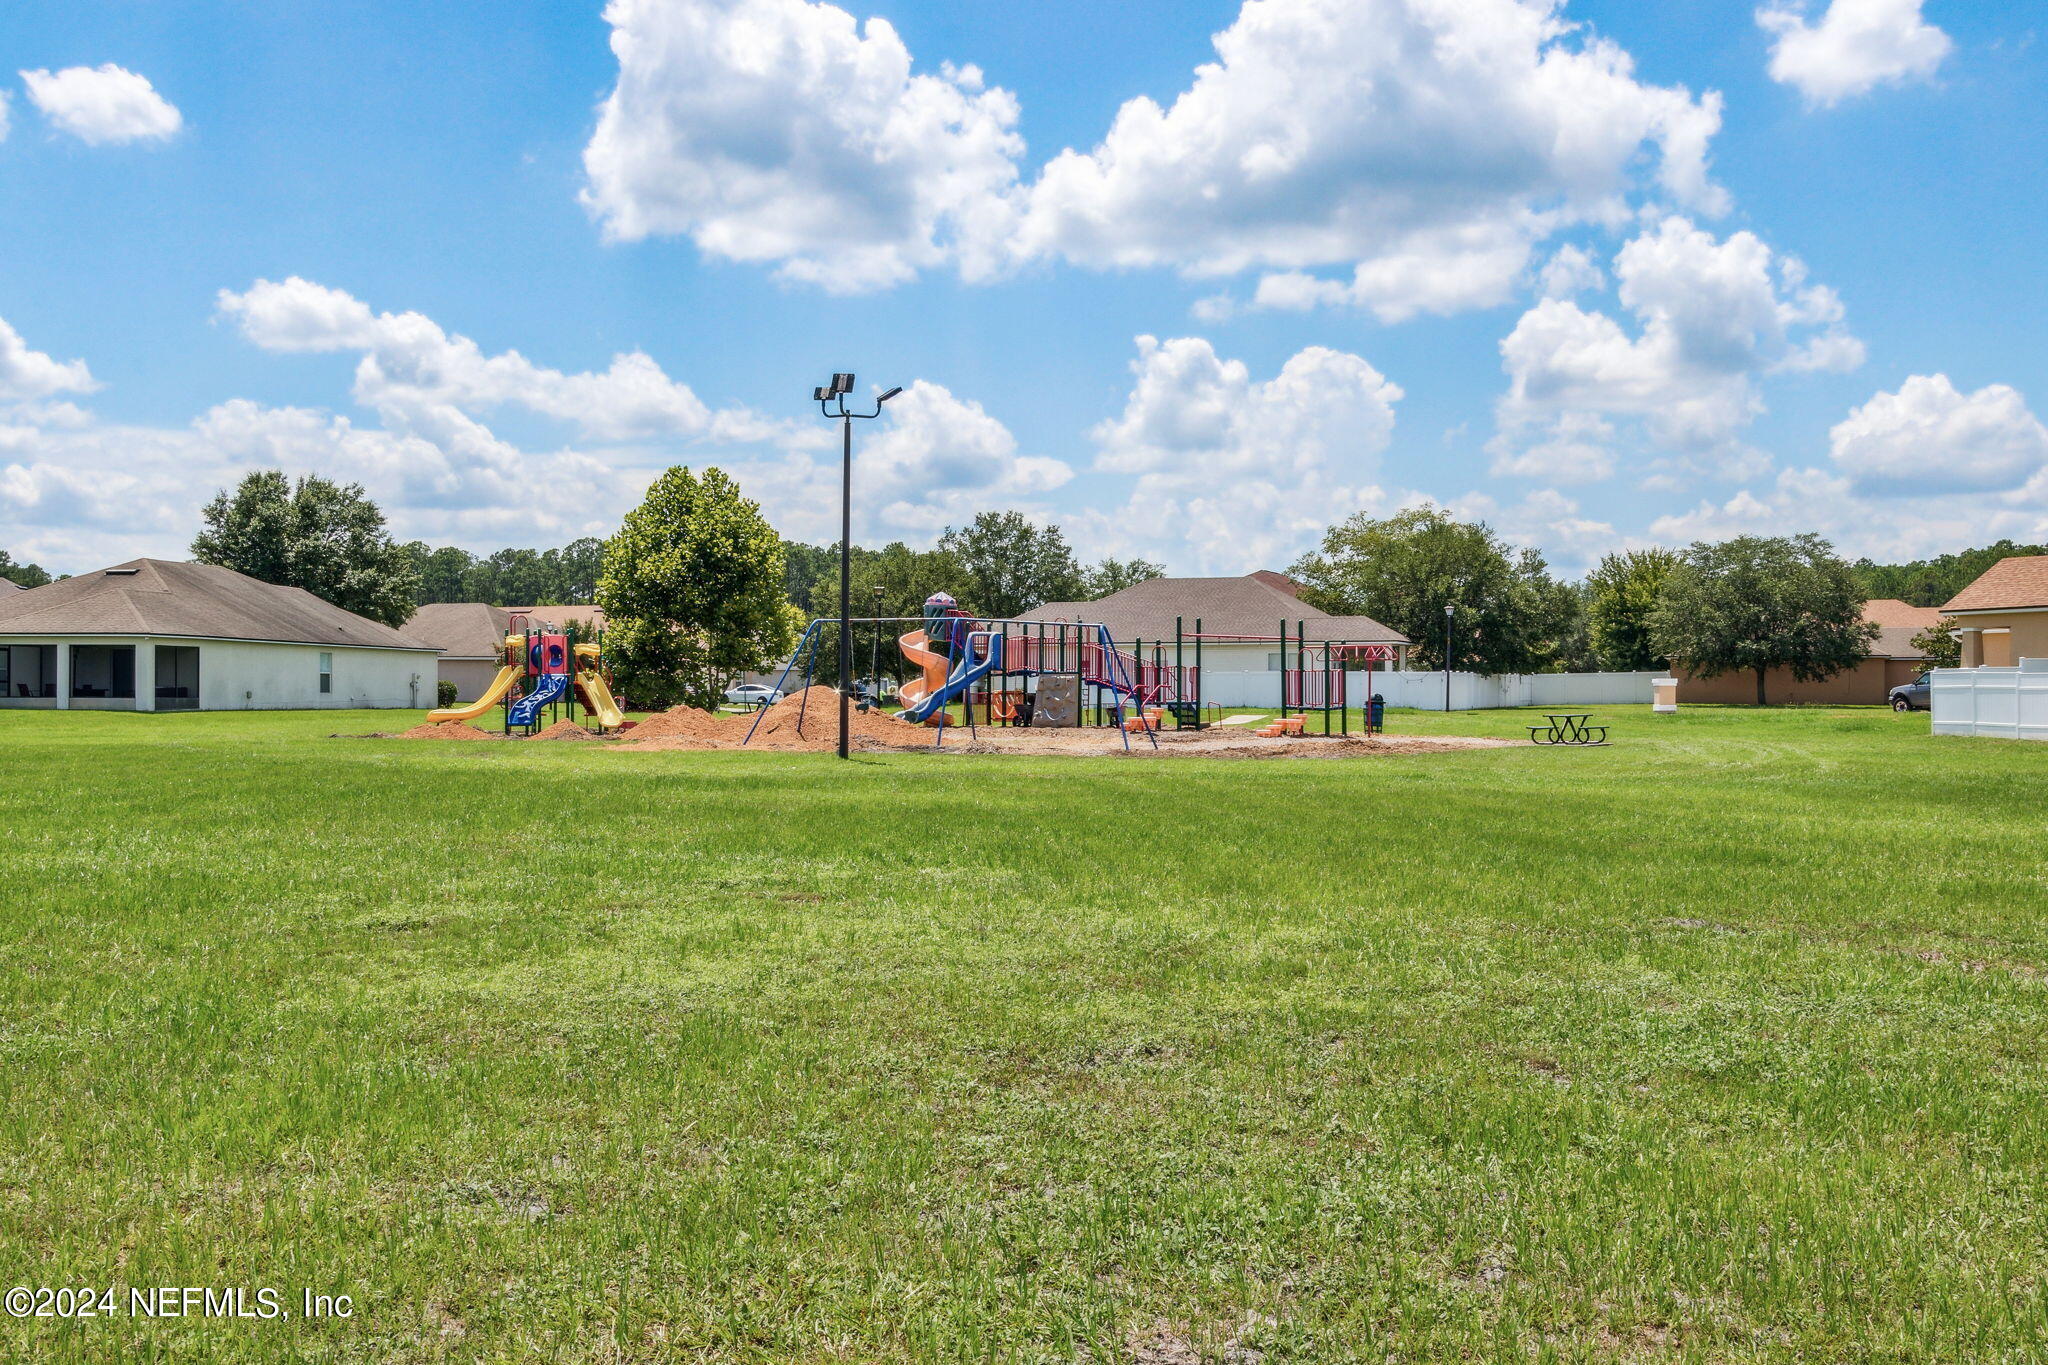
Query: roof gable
[(461, 630), (1887, 612), (161, 597), (2017, 581)]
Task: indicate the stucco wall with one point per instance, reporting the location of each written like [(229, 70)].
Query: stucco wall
[(2027, 637), (1864, 685), (237, 675), (287, 678), (472, 677)]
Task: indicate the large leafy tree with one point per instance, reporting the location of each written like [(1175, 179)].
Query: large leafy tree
[(27, 575), (325, 537), (572, 571), (1761, 602), (1114, 575), (1621, 595), (692, 590), (441, 571), (1011, 564), (1404, 570)]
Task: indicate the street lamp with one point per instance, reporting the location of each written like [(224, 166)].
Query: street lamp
[(1450, 610), (831, 400)]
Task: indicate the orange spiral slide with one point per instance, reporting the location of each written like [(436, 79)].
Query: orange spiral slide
[(917, 648)]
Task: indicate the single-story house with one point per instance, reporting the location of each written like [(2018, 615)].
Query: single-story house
[(471, 638), (159, 635), (2003, 616), (1892, 660), (1241, 622)]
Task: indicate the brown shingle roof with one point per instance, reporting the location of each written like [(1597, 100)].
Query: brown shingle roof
[(198, 601), (7, 583), (2020, 581), (461, 630), (1250, 605), (1890, 611)]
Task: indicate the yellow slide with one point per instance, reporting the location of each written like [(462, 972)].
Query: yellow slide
[(507, 676), (597, 698)]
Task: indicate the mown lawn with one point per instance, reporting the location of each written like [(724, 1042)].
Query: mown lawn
[(1725, 1043)]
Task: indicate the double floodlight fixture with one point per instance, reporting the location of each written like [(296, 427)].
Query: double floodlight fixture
[(840, 387)]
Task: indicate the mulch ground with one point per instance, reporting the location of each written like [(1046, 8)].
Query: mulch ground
[(809, 721)]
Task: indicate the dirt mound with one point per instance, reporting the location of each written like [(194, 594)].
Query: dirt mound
[(818, 710), (448, 729), (687, 722), (564, 729)]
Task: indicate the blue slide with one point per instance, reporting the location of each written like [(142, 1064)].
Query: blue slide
[(527, 709), (965, 675)]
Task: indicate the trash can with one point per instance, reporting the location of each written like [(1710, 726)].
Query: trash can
[(1376, 712), (1664, 696)]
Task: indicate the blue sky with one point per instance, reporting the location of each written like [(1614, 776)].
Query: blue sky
[(1604, 274)]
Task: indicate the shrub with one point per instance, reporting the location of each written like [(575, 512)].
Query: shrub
[(445, 690)]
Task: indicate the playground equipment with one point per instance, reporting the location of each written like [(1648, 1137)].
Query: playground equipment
[(970, 660), (1076, 671), (560, 671)]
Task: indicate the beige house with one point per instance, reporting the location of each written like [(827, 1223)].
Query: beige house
[(159, 635), (471, 638), (1892, 661), (2003, 616)]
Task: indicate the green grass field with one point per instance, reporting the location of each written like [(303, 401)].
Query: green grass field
[(1724, 1043)]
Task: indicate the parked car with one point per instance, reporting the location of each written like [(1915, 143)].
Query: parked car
[(1917, 695), (753, 694)]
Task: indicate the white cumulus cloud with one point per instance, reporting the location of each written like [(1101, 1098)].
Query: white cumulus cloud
[(27, 374), (933, 460), (782, 131), (1931, 438), (1712, 316), (102, 104), (1417, 148), (1235, 471), (419, 376), (1856, 46), (1423, 144)]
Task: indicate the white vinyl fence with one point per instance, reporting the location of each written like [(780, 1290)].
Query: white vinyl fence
[(2001, 703), (1425, 691)]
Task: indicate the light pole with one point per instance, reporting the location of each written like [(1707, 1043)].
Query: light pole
[(1450, 610), (831, 400)]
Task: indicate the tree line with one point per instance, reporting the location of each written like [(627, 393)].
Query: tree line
[(1747, 605), (697, 586), (24, 575)]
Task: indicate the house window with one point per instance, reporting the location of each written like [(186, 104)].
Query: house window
[(1276, 662), (326, 673)]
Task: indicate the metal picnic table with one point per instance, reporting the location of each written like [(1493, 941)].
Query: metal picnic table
[(1568, 727)]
